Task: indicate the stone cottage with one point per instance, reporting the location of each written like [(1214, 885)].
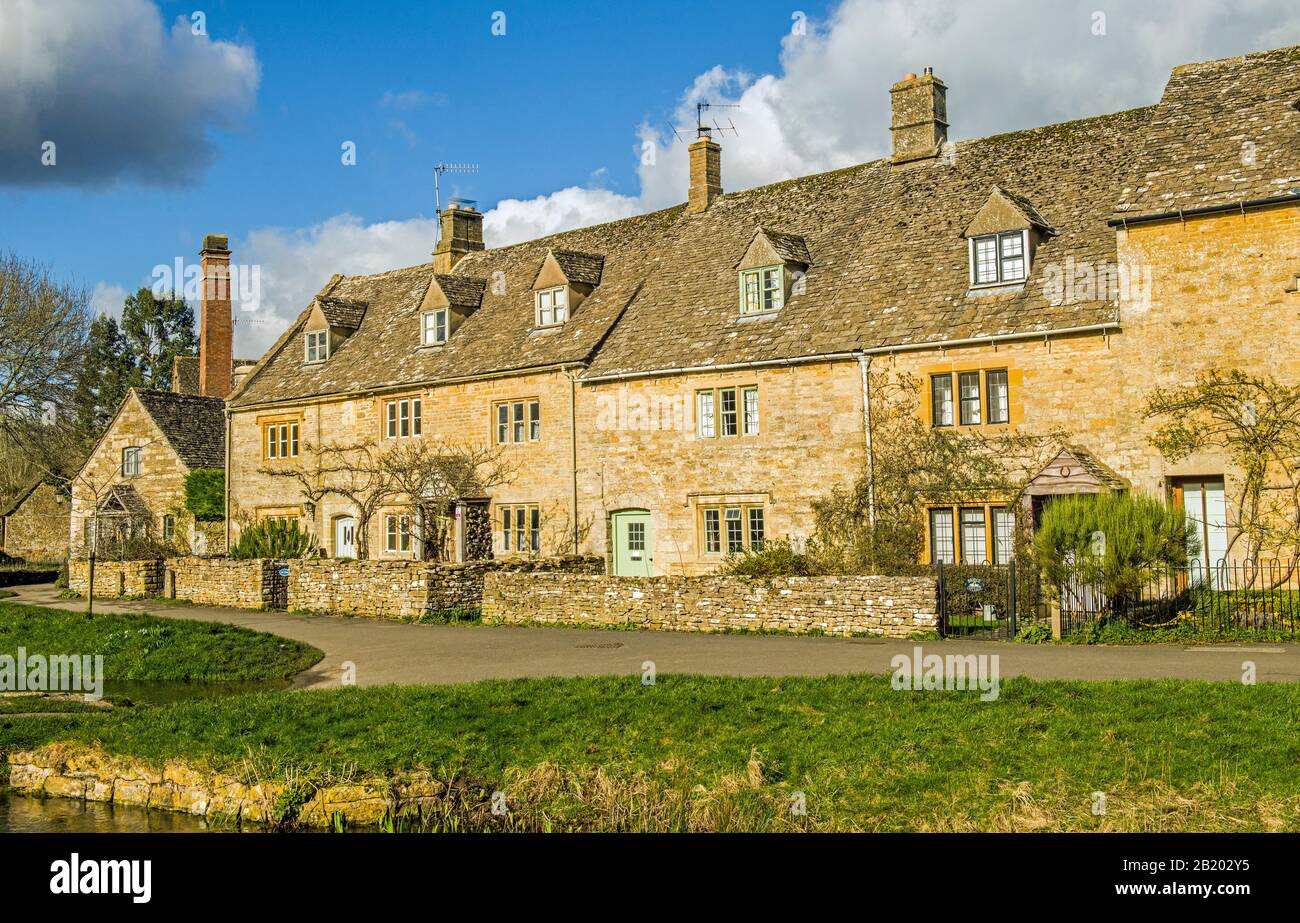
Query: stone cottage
[(34, 524), (684, 384)]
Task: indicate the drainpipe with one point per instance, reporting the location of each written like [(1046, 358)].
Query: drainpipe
[(226, 480), (573, 440), (864, 365)]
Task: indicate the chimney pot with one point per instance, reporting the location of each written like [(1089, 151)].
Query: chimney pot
[(919, 124)]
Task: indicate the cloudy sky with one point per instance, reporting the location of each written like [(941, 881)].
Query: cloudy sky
[(130, 128)]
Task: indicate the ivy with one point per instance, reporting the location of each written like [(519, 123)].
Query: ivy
[(205, 494)]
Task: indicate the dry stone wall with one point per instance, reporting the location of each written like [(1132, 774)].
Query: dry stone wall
[(219, 581), (895, 607), (117, 578), (409, 589)]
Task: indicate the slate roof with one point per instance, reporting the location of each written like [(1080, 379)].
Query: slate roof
[(891, 265), (583, 268), (194, 426), (185, 373), (19, 499), (342, 312), (1224, 132), (462, 291), (124, 499)]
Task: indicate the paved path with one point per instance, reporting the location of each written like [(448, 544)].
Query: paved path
[(395, 652)]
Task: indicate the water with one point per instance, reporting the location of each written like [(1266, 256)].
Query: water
[(25, 814)]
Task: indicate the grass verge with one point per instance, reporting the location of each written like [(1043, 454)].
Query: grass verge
[(140, 647), (715, 753)]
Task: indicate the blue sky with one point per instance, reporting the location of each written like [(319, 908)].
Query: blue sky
[(244, 137)]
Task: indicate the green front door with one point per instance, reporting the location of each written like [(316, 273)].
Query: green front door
[(633, 545)]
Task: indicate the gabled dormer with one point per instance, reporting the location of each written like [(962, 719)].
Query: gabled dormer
[(331, 321), (448, 301), (565, 279), (771, 269), (1001, 240)]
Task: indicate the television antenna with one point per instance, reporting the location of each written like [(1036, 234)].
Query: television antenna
[(701, 129), (440, 168)]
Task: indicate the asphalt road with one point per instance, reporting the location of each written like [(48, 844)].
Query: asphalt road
[(394, 652)]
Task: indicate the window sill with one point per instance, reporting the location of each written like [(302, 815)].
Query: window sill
[(996, 288), (549, 328), (757, 316), (429, 347)]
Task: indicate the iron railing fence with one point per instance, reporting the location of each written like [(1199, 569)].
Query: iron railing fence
[(993, 601), (1229, 597)]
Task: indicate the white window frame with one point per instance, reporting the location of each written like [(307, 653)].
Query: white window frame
[(316, 348), (552, 311), (136, 454), (281, 440), (521, 527), (433, 327), (403, 418), (755, 284), (517, 421), (397, 533), (1000, 278), (718, 520)]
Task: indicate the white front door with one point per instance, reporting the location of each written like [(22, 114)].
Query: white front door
[(345, 537)]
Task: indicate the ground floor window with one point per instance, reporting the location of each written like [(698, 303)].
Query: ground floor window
[(732, 529), (397, 532), (972, 534), (168, 528), (521, 528)]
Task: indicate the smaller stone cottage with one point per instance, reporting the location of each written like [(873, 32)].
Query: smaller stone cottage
[(133, 483), (34, 524)]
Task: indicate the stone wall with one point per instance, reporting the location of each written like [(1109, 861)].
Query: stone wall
[(85, 773), (117, 578), (219, 581), (408, 589), (895, 607)]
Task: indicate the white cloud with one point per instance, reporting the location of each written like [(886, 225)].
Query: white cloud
[(107, 299), (1008, 64), (119, 95)]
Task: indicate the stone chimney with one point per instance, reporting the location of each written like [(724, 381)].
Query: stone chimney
[(706, 172), (920, 121), (215, 326), (462, 232)]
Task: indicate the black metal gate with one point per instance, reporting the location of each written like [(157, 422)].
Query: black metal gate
[(279, 585), (983, 601)]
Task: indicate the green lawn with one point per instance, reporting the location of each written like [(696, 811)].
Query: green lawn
[(610, 753), (147, 648)]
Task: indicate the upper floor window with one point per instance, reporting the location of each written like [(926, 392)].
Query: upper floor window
[(318, 345), (761, 290), (402, 418), (999, 258), (726, 412), (518, 421), (433, 327), (980, 397), (281, 440), (552, 306), (131, 457)]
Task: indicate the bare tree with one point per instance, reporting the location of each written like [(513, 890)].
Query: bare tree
[(43, 329), (433, 476), (1255, 421), (351, 471)]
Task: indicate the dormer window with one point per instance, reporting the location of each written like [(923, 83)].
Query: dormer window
[(552, 306), (434, 327), (998, 259), (762, 290), (318, 345)]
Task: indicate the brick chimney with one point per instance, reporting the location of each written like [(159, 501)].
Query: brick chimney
[(706, 172), (462, 232), (920, 120), (215, 326)]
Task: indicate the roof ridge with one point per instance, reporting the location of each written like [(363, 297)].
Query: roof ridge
[(1284, 51)]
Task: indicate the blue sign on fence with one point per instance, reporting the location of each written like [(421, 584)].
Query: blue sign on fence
[(974, 585)]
